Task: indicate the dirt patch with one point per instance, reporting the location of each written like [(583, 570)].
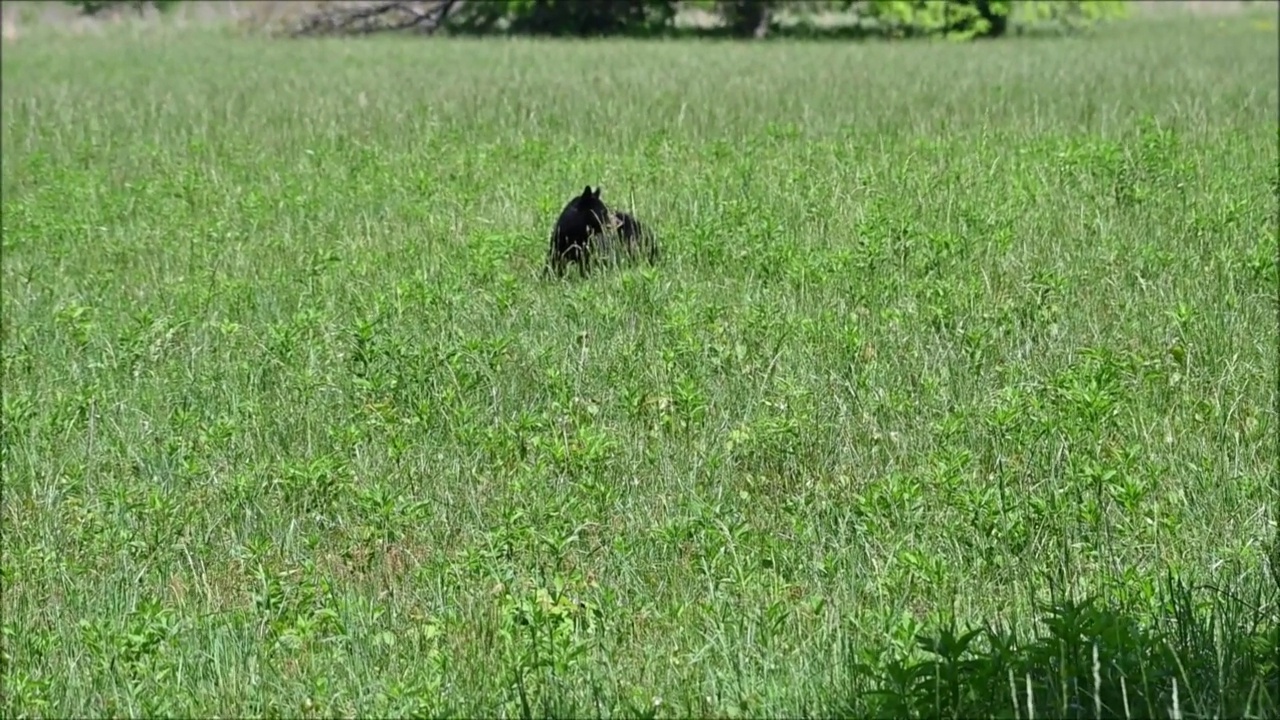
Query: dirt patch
[(1213, 8), (21, 16)]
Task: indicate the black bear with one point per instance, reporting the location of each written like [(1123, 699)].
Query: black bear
[(636, 236), (587, 226), (583, 218)]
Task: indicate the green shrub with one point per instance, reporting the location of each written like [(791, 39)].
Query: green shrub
[(967, 19)]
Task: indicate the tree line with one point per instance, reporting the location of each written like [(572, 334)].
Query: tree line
[(958, 19)]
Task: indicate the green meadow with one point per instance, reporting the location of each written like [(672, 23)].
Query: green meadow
[(944, 337)]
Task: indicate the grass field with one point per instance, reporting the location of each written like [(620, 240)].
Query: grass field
[(942, 336)]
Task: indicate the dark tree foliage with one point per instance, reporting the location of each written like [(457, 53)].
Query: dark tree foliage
[(959, 19), (95, 7), (747, 18)]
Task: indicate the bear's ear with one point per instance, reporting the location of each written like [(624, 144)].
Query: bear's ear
[(598, 189), (587, 192)]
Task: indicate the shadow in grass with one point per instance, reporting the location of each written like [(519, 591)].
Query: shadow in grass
[(799, 31), (1207, 654), (803, 29)]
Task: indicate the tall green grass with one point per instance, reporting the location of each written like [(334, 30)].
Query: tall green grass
[(943, 337)]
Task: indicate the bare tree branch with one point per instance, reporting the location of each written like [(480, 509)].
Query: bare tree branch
[(420, 17)]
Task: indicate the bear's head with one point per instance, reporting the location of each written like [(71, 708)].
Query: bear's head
[(594, 209)]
